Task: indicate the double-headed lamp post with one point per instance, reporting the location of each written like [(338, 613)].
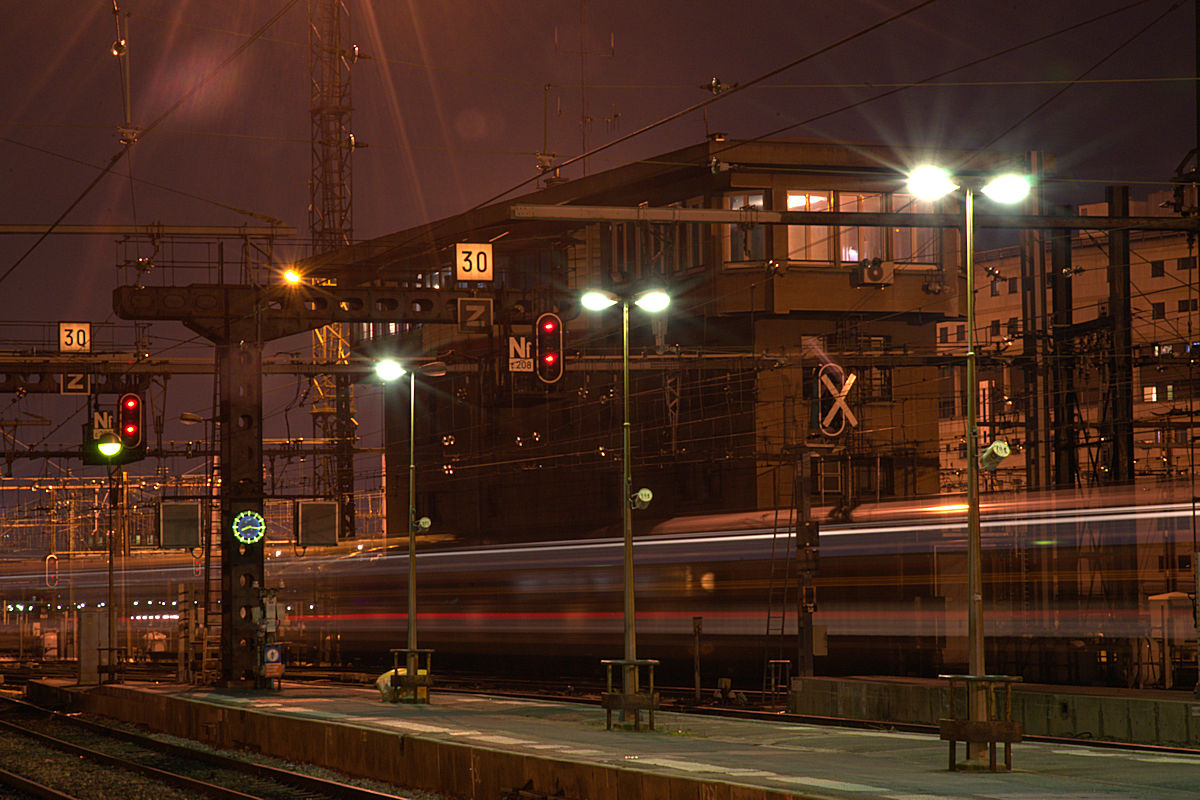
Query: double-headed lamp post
[(388, 370), (653, 301), (932, 183)]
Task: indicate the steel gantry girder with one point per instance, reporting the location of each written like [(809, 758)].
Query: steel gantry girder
[(238, 319)]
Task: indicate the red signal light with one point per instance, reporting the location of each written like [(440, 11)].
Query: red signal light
[(548, 334), (131, 420)]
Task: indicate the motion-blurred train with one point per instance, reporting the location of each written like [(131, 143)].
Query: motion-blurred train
[(1078, 588)]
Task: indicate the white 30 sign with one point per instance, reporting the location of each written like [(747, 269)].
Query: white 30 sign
[(473, 262), (74, 337)]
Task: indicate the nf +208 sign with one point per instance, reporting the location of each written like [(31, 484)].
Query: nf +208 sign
[(520, 354)]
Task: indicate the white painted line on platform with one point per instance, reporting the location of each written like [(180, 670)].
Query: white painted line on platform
[(821, 783), (1193, 760), (685, 766), (750, 773), (1089, 753), (498, 739), (544, 746), (916, 737), (414, 727), (465, 733), (1146, 759)]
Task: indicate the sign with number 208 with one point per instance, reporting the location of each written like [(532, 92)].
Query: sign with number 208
[(473, 262)]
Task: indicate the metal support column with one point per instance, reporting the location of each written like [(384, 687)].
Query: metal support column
[(239, 370), (1120, 460)]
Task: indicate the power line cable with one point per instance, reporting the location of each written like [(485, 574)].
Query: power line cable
[(112, 162), (725, 93)]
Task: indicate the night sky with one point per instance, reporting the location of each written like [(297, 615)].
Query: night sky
[(452, 105)]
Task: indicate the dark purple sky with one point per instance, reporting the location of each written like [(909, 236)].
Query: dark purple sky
[(451, 104)]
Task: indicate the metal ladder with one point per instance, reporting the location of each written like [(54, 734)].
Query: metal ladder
[(779, 579), (210, 611)]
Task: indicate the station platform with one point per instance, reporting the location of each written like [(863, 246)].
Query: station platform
[(485, 747)]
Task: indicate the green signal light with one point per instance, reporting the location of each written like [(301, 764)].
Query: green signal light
[(109, 445)]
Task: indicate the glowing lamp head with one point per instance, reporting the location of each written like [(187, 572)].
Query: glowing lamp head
[(389, 369), (653, 301), (928, 182), (1007, 189), (598, 300), (291, 276)]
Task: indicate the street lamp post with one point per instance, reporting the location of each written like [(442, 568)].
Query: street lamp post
[(389, 370), (932, 183), (653, 301)]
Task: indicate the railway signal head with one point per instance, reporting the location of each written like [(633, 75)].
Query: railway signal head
[(101, 447), (130, 419), (548, 335)]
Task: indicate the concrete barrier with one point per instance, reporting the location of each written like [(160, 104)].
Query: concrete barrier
[(1072, 715), (413, 761)]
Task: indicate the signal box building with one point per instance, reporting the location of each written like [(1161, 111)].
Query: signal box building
[(725, 385)]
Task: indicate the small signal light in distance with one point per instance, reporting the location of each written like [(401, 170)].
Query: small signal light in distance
[(549, 336)]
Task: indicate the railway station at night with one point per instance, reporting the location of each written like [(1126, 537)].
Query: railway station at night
[(756, 439)]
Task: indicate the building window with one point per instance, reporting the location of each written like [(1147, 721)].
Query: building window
[(987, 391), (1157, 268), (1185, 304), (862, 242), (1188, 262), (809, 242), (960, 333), (995, 287), (1014, 285), (624, 251), (913, 245), (746, 242), (876, 383), (994, 329), (1014, 326), (1158, 310), (944, 335), (1150, 394)]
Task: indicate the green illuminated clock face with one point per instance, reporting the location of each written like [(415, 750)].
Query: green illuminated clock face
[(249, 527)]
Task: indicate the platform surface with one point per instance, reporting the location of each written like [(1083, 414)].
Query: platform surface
[(809, 760)]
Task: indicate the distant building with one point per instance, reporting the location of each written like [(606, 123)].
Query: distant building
[(723, 383), (1077, 358)]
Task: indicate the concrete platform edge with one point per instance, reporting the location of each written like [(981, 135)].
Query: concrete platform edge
[(450, 768)]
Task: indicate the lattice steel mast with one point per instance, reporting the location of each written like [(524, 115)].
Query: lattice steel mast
[(330, 223)]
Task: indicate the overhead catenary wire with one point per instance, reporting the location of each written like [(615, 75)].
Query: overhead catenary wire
[(128, 145)]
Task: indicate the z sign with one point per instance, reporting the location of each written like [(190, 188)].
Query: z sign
[(473, 262)]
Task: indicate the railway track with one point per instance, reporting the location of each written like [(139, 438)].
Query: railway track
[(46, 754)]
